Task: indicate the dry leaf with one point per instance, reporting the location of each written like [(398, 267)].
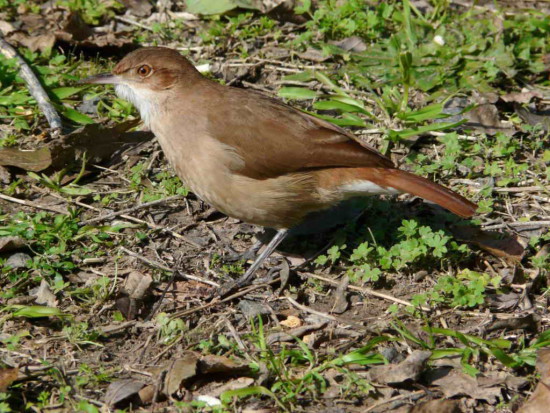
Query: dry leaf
[(137, 284), (457, 383), (408, 369), (213, 364), (340, 296), (28, 160), (498, 244), (11, 243), (540, 399), (437, 406), (7, 377), (45, 296), (351, 44), (291, 322), (524, 96), (178, 372), (122, 390)]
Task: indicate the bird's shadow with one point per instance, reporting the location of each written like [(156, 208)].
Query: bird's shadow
[(361, 220)]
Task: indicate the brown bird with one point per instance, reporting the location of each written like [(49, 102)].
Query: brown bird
[(253, 157)]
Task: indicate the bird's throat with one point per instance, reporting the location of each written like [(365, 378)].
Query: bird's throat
[(145, 100)]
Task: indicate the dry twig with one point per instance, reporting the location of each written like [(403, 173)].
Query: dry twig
[(35, 88)]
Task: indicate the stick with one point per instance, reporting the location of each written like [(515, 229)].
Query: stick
[(128, 210), (32, 204), (366, 291), (35, 88)]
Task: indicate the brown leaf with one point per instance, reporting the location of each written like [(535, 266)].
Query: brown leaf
[(498, 244), (28, 160), (122, 390), (291, 322), (437, 406), (77, 28), (540, 399), (525, 96), (485, 118), (457, 383), (340, 296), (351, 44), (11, 243), (213, 364), (140, 8), (137, 284), (7, 377), (179, 371), (35, 43), (45, 296), (408, 369)]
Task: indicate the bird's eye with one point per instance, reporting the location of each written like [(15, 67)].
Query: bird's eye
[(144, 70)]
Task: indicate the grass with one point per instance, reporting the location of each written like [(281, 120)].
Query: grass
[(413, 65)]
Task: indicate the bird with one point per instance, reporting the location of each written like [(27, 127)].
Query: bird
[(253, 157)]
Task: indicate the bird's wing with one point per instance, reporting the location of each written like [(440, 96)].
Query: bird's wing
[(275, 139)]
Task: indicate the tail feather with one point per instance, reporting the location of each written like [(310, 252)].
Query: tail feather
[(426, 189), (370, 181)]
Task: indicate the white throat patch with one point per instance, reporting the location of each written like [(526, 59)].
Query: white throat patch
[(143, 99)]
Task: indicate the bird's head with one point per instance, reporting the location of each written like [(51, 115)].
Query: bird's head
[(147, 76)]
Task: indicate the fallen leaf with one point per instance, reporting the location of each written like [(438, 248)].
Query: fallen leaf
[(532, 118), (314, 55), (139, 8), (122, 390), (35, 43), (6, 27), (498, 244), (351, 44), (98, 142), (437, 406), (238, 383), (296, 332), (7, 377), (77, 28), (213, 364), (525, 96), (11, 243), (540, 399), (341, 297), (485, 118), (45, 296), (137, 284), (457, 383), (291, 322), (28, 160), (178, 371), (408, 369), (529, 322)]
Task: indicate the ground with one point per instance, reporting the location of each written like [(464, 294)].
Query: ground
[(111, 267)]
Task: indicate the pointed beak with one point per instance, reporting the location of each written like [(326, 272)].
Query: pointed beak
[(102, 78)]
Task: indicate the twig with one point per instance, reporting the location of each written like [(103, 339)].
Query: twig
[(128, 210), (149, 224), (395, 398), (325, 315), (133, 23), (183, 313), (530, 224), (165, 268), (366, 291), (32, 204), (35, 88)]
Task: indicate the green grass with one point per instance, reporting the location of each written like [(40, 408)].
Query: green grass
[(413, 64)]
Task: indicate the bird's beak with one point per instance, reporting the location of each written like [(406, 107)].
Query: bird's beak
[(102, 78)]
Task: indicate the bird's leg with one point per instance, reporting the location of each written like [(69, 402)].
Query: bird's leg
[(245, 279)]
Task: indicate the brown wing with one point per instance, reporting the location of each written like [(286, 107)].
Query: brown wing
[(275, 139)]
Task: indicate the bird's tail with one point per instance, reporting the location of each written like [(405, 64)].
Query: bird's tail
[(369, 181)]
